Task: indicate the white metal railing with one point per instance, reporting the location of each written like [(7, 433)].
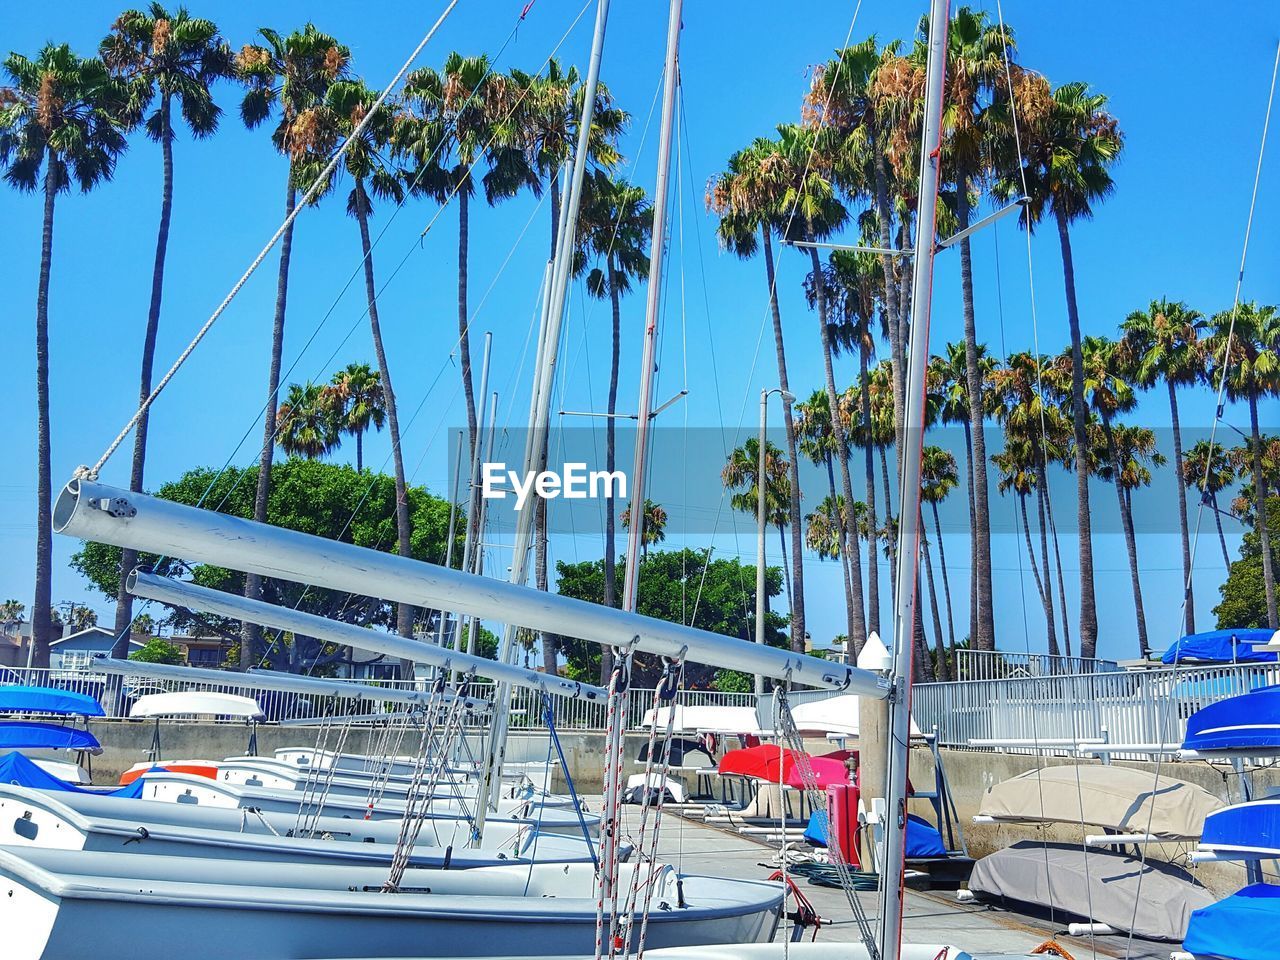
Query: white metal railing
[(1136, 707), (1000, 665)]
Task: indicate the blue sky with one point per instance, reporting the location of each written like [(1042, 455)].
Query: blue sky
[(1189, 87)]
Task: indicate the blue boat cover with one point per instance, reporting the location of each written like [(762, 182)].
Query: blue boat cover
[(922, 839), (48, 700), (28, 735), (1244, 926), (1254, 825), (22, 772), (1248, 721), (1223, 646)]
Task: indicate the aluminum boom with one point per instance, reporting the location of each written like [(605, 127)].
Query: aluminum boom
[(178, 593), (272, 680), (95, 511)]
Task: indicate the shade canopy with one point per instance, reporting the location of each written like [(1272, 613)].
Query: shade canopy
[(832, 715), (1152, 899), (704, 719), (1113, 797), (1248, 721), (196, 703), (1245, 926), (1237, 645), (24, 735), (48, 700)]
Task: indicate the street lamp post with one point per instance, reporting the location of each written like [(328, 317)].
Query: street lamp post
[(760, 516)]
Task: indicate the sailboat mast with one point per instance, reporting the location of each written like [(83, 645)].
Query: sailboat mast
[(908, 546), (544, 376), (653, 304)]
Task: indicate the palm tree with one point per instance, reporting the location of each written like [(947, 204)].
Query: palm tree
[(816, 441), (799, 170), (939, 475), (823, 534), (1163, 343), (62, 115), (615, 221), (361, 403), (976, 54), (655, 525), (1015, 464), (1209, 469), (1251, 359), (348, 104), (1109, 393), (851, 280), (741, 473), (11, 612), (289, 76), (458, 118), (307, 421), (163, 57), (1070, 142), (746, 204), (1243, 504)]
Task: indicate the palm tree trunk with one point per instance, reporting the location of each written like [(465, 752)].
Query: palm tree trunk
[(250, 633), (42, 608), (873, 569), (1088, 601), (985, 639), (1190, 598), (842, 557), (946, 581), (943, 671), (1043, 585), (856, 616), (1222, 538), (540, 539), (610, 460), (464, 323), (1062, 581), (924, 672), (793, 462), (1260, 511), (1130, 542), (1042, 485), (884, 218), (891, 544), (973, 544), (129, 558), (786, 578), (359, 451), (404, 528)]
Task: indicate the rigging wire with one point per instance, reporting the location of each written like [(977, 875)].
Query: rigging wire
[(1221, 392)]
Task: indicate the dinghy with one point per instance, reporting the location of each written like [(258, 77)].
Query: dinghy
[(75, 905), (35, 818), (194, 790)]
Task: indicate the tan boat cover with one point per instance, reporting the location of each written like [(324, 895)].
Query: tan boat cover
[(1097, 885), (1116, 798)]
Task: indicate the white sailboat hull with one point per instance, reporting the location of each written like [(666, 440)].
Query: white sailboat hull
[(71, 905), (200, 791), (31, 818)]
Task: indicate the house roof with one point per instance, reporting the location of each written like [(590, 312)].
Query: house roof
[(90, 632)]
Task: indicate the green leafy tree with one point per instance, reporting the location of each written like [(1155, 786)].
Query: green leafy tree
[(1208, 468), (323, 499), (158, 650), (167, 59), (61, 121), (288, 79), (680, 586), (1243, 593)]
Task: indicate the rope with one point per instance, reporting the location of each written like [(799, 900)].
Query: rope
[(606, 874), (321, 179)]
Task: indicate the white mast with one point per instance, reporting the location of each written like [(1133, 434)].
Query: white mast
[(908, 546), (544, 377)]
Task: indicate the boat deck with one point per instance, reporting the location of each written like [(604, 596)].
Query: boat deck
[(931, 917)]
